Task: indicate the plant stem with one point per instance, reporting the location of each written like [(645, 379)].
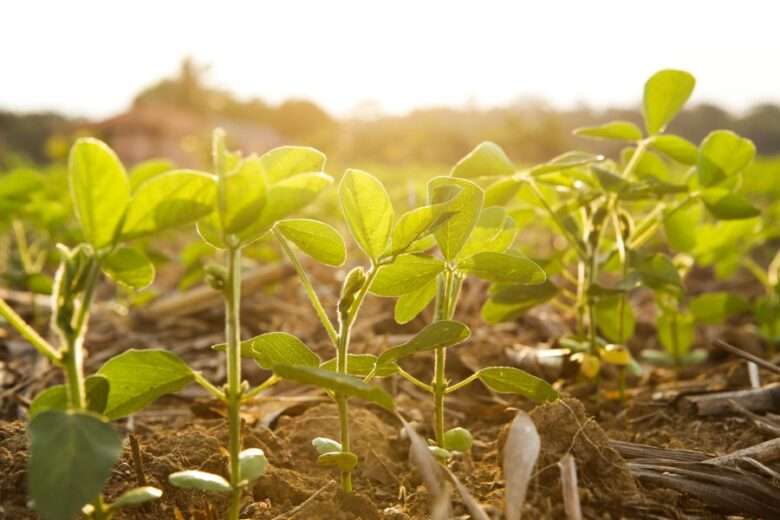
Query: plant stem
[(73, 356), (443, 304), (233, 393)]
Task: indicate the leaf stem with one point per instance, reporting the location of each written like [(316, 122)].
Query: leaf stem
[(457, 386), (409, 377), (28, 333), (310, 292)]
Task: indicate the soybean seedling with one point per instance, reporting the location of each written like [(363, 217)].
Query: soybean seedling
[(369, 214), (253, 193), (73, 447), (472, 240)]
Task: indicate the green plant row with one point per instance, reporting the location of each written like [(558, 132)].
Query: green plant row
[(618, 218)]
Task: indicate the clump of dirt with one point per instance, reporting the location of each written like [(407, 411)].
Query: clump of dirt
[(13, 468)]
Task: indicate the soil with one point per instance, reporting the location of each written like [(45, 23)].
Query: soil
[(187, 431)]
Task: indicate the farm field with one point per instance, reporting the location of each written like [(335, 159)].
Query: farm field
[(240, 332)]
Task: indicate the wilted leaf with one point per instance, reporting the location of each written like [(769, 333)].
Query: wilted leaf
[(521, 451)]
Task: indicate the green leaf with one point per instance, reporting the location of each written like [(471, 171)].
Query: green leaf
[(610, 181), (458, 439), (714, 308), (486, 160), (406, 274), (253, 464), (649, 165), (565, 161), (200, 480), (609, 317), (317, 239), (279, 348), (71, 456), (494, 232), (439, 334), (19, 184), (658, 272), (361, 365), (724, 204), (99, 188), (509, 301), (243, 198), (409, 305), (616, 130), (510, 380), (723, 154), (504, 268), (170, 200), (680, 226), (56, 397), (136, 496), (415, 225), (674, 146), (138, 377), (368, 211), (343, 460), (465, 199), (146, 170), (335, 382), (665, 94), (283, 199), (501, 192), (129, 267), (287, 161), (676, 332)]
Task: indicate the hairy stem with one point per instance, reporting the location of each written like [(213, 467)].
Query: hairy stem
[(443, 304), (41, 345), (233, 394)]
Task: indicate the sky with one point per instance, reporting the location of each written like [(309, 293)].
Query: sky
[(91, 57)]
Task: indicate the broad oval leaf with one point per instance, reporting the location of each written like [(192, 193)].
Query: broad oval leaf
[(411, 304), (368, 211), (665, 94), (138, 377), (504, 268), (129, 267), (616, 130), (502, 191), (510, 380), (335, 382), (680, 226), (361, 365), (465, 199), (494, 232), (658, 272), (283, 199), (200, 480), (71, 456), (439, 334), (674, 146), (146, 170), (416, 224), (56, 397), (319, 240), (287, 161), (136, 496), (99, 188), (615, 317), (715, 307), (507, 301), (170, 200), (406, 274), (280, 348), (724, 204), (243, 195), (722, 154), (486, 160)]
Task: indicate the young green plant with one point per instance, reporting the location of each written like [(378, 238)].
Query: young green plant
[(73, 447)]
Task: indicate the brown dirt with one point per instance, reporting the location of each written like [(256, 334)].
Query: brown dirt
[(186, 432)]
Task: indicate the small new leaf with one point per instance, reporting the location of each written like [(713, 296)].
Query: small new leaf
[(486, 160), (665, 94), (615, 130), (129, 267)]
